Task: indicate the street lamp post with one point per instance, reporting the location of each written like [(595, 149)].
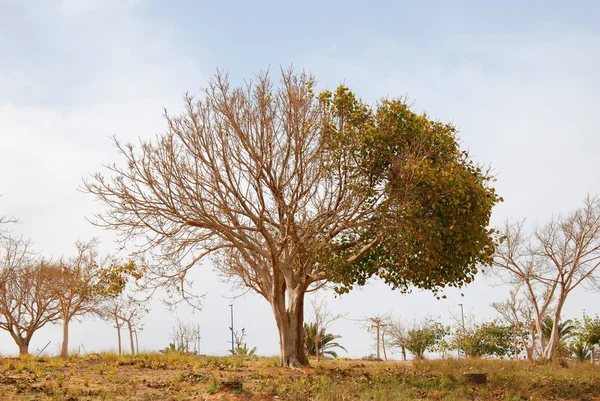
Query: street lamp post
[(232, 347), (462, 314)]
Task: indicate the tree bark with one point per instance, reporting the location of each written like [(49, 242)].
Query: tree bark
[(64, 350), (131, 338), (118, 333), (290, 323), (552, 344), (24, 348)]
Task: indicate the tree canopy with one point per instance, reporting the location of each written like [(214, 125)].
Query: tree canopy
[(288, 189)]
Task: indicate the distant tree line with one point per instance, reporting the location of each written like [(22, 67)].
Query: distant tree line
[(35, 291)]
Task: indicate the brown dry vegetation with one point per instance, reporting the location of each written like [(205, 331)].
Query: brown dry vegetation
[(176, 377)]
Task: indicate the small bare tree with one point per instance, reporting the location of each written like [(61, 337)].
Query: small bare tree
[(323, 319), (396, 335), (519, 314), (125, 310), (376, 325), (26, 294), (560, 256), (185, 336)]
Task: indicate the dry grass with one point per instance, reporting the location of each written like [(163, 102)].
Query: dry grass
[(177, 377)]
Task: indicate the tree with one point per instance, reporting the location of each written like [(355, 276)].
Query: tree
[(4, 222), (184, 336), (559, 257), (517, 312), (376, 325), (26, 293), (287, 190), (566, 329), (131, 313), (314, 332), (580, 350), (488, 339), (320, 343), (124, 310), (418, 338), (241, 348), (84, 284), (587, 331)]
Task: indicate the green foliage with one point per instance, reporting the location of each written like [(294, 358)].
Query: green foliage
[(487, 339), (241, 348), (588, 329), (171, 349), (566, 329), (580, 350), (243, 351), (113, 278), (314, 336), (424, 338), (432, 202), (213, 386)]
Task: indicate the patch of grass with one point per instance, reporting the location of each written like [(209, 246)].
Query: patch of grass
[(213, 386)]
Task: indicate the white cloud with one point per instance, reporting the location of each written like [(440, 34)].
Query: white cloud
[(79, 8)]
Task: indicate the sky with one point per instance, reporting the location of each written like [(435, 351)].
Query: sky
[(520, 81)]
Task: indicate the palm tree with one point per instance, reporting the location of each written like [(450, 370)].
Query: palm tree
[(315, 338), (566, 329), (581, 350)]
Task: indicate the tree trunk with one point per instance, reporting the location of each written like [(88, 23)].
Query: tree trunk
[(131, 338), (24, 348), (118, 333), (317, 345), (552, 344), (290, 323), (64, 350)]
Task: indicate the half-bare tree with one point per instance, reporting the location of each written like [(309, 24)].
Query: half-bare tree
[(288, 190), (86, 280), (75, 291), (560, 256), (26, 294)]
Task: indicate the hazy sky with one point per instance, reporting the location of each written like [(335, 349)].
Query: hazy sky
[(521, 82)]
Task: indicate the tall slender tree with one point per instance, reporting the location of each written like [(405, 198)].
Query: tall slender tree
[(288, 189), (560, 256)]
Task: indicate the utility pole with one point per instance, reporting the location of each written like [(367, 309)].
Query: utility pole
[(232, 347), (462, 314), (377, 323)]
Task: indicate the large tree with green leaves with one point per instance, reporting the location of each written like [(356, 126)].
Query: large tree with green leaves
[(288, 189)]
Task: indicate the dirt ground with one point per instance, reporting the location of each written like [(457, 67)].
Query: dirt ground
[(177, 377)]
